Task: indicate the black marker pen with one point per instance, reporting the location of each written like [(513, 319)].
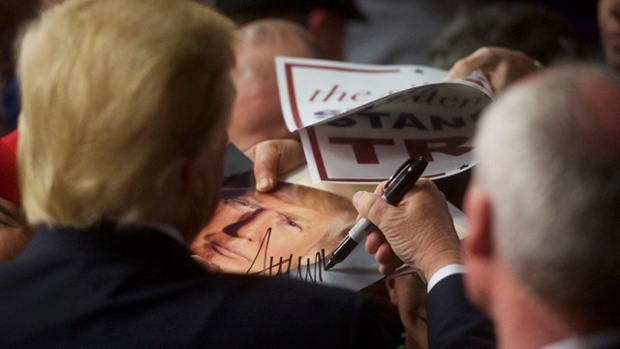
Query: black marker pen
[(396, 187)]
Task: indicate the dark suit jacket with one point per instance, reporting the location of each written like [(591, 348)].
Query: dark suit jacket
[(104, 288), (453, 322)]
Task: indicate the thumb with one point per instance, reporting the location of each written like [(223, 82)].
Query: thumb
[(265, 171), (274, 158), (370, 206)]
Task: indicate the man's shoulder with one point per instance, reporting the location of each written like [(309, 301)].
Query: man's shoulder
[(289, 290), (301, 313), (192, 309)]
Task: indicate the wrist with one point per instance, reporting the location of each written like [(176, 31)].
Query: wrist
[(443, 273), (438, 261)]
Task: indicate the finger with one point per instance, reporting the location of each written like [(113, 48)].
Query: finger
[(274, 158), (380, 188), (265, 166), (373, 241), (370, 206), (424, 184), (386, 255), (482, 57), (388, 261), (291, 155)]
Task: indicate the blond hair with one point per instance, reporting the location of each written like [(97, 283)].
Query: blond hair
[(117, 96)]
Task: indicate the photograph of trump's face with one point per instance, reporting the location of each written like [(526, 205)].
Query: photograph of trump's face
[(255, 233)]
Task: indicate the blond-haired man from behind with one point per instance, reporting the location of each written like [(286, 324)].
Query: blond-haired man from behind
[(122, 132)]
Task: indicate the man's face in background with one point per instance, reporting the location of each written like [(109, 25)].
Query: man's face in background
[(247, 231)]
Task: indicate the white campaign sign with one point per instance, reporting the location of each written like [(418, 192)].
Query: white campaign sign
[(358, 123)]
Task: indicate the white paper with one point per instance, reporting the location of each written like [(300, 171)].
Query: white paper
[(359, 122)]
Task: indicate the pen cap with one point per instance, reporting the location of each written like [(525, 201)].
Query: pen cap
[(404, 180)]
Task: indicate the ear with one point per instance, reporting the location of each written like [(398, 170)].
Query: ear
[(479, 250), (202, 174), (477, 207), (390, 285)]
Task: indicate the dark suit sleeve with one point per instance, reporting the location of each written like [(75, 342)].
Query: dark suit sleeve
[(367, 329), (453, 322)]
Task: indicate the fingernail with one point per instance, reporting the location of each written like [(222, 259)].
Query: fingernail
[(263, 184)]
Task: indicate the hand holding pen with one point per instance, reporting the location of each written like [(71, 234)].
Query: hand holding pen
[(418, 232), (395, 188)]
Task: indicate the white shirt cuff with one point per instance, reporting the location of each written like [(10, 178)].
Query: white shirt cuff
[(444, 273)]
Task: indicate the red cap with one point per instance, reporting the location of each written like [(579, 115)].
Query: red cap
[(9, 186)]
